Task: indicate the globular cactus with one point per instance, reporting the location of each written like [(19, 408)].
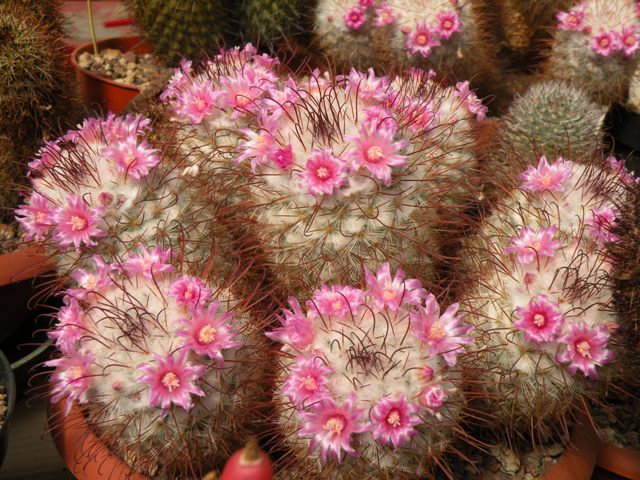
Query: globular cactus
[(180, 29), (50, 11), (538, 289), (161, 363), (338, 172), (596, 45), (367, 380)]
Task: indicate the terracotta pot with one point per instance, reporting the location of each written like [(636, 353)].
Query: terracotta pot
[(99, 91), (82, 451), (619, 461)]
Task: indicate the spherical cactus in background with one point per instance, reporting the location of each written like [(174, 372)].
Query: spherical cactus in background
[(162, 364), (596, 46), (180, 29), (367, 380), (538, 290)]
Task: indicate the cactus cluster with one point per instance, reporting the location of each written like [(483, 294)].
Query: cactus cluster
[(367, 384)]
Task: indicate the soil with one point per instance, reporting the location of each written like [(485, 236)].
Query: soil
[(9, 239)]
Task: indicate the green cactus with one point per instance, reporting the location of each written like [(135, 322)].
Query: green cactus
[(183, 28)]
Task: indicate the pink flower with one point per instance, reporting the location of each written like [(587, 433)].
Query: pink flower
[(377, 152), (384, 16), (586, 349), (418, 115), (448, 24), (259, 146), (76, 223), (189, 292), (625, 175), (605, 43), (296, 329), (71, 379), (69, 329), (197, 100), (208, 333), (572, 20), (470, 100), (365, 3), (547, 177), (323, 172), (392, 420), (241, 95), (422, 40), (117, 128), (376, 118), (91, 282), (368, 86), (540, 321), (132, 158), (336, 300), (47, 156), (629, 40), (533, 244), (283, 157), (171, 379), (441, 334), (393, 293), (179, 80), (354, 18), (433, 397), (36, 216), (600, 224), (307, 381), (331, 426), (148, 262)]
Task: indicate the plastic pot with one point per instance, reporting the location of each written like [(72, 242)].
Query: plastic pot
[(97, 91), (621, 462), (82, 451), (7, 381)]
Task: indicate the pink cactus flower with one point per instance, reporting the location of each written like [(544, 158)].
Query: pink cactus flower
[(76, 223), (368, 86), (354, 18), (448, 24), (324, 172), (131, 158), (189, 292), (572, 20), (296, 329), (393, 419), (148, 262), (376, 118), (471, 101), (117, 128), (47, 156), (547, 177), (336, 300), (283, 157), (36, 216), (70, 327), (208, 333), (540, 321), (605, 43), (419, 115), (444, 334), (179, 80), (241, 95), (71, 379), (392, 293), (377, 152), (307, 381), (629, 40), (384, 16), (533, 244), (259, 146), (365, 3), (91, 282), (172, 379), (600, 223), (625, 175), (586, 349), (197, 100), (433, 398), (422, 40), (331, 426)]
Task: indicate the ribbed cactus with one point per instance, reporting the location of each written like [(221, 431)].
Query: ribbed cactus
[(162, 364), (596, 45), (338, 173), (538, 290), (367, 382), (180, 29)]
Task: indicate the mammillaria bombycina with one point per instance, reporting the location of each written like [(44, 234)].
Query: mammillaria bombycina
[(159, 363), (596, 47), (538, 288), (368, 383)]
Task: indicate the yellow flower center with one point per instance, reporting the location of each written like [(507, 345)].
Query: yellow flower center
[(389, 295), (583, 349), (41, 217), (375, 154), (171, 381), (393, 418), (323, 173), (447, 24), (78, 223), (335, 424), (75, 373), (309, 382), (437, 331), (189, 294), (201, 104), (539, 320), (206, 335), (422, 39), (130, 158), (242, 99)]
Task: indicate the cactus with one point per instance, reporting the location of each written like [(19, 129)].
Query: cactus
[(367, 380), (50, 11), (538, 290), (322, 208), (595, 47), (162, 363), (183, 29)]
